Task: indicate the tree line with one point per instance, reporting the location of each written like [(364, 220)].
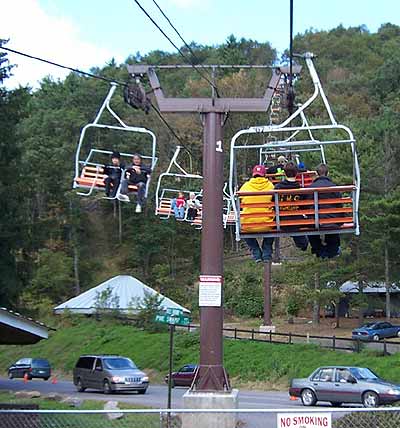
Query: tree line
[(55, 244)]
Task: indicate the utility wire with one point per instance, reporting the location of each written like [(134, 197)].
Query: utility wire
[(177, 48), (94, 76)]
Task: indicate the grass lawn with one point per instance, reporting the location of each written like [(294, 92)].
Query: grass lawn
[(250, 364), (74, 420)]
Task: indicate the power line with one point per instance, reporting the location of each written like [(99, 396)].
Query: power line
[(176, 47), (94, 76)]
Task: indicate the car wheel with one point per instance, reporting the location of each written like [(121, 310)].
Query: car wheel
[(336, 403), (79, 385), (172, 383), (142, 391), (107, 387), (308, 397), (10, 375), (375, 337), (46, 378), (370, 399)]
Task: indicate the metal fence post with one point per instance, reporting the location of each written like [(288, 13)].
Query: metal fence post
[(333, 342), (290, 338), (235, 336), (270, 336), (252, 334)]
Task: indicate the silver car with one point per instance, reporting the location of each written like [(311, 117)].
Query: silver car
[(339, 384), (109, 373)]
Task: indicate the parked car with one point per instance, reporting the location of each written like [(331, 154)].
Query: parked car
[(109, 373), (376, 331), (183, 377), (339, 384), (32, 367)]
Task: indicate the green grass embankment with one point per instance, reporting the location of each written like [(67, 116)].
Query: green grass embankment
[(251, 364)]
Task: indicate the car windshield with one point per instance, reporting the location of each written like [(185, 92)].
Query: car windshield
[(119, 364), (363, 373), (40, 363)]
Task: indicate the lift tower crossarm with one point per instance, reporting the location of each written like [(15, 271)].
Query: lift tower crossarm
[(209, 105)]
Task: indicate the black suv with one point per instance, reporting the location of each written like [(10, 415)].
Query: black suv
[(109, 373)]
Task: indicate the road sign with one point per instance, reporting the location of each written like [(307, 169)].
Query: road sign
[(173, 319), (174, 311)]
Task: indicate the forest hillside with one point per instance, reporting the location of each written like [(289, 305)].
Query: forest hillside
[(54, 243)]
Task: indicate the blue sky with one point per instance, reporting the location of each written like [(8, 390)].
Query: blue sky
[(84, 33)]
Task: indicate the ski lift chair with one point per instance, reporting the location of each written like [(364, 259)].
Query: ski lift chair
[(165, 195), (314, 211), (89, 173), (229, 218)]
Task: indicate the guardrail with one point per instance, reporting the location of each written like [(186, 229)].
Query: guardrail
[(387, 347)]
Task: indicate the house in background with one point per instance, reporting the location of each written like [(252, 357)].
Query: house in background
[(123, 293), (375, 293)]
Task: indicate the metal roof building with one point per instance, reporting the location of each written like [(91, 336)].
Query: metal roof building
[(15, 329), (124, 292)]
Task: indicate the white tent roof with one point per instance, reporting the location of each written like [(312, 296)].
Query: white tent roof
[(129, 292)]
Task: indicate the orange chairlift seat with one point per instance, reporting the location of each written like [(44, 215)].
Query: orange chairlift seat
[(165, 195), (89, 171), (314, 210)]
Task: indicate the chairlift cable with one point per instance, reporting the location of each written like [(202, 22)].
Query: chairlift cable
[(177, 48), (195, 57), (290, 93), (170, 128), (93, 76), (291, 45), (75, 70)]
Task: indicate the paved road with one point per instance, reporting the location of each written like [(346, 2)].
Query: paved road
[(156, 395)]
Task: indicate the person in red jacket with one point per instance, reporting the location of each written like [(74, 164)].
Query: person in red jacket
[(178, 206)]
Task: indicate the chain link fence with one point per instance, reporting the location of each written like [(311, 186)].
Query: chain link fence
[(388, 417)]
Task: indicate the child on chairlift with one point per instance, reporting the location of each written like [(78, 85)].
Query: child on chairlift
[(178, 206)]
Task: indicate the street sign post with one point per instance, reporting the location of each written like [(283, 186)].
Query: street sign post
[(172, 317)]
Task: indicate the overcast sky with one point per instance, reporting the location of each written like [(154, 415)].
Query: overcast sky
[(86, 33)]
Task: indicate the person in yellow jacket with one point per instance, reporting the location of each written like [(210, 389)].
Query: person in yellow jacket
[(257, 223)]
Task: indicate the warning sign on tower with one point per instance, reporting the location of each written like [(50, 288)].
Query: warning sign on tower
[(210, 290)]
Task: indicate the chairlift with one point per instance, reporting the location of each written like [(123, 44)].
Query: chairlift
[(89, 171), (165, 195), (307, 215), (229, 218)]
